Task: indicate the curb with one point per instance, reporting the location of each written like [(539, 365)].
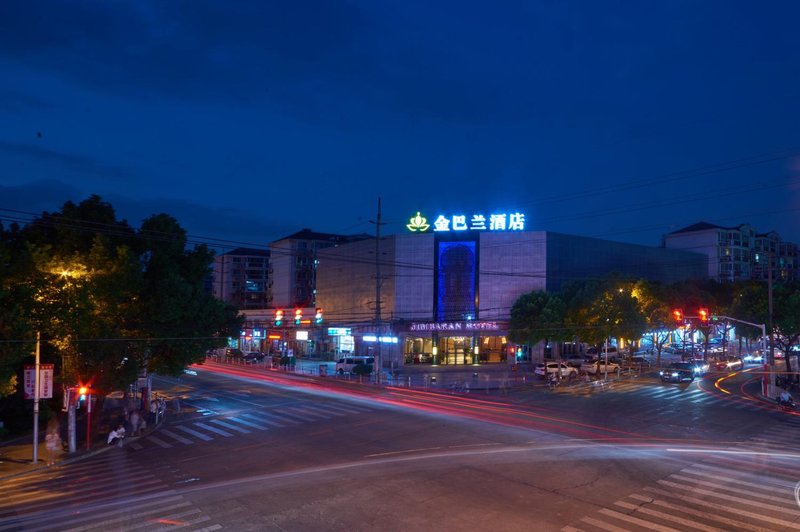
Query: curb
[(77, 456)]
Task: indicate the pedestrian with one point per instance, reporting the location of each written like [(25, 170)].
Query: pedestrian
[(116, 435), (153, 411), (135, 423), (126, 420), (52, 442)]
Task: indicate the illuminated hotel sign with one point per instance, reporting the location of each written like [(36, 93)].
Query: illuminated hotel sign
[(426, 326), (513, 221)]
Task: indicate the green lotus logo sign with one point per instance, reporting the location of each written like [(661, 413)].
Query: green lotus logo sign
[(418, 224), (455, 223)]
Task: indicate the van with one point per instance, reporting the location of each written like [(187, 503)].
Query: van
[(346, 364)]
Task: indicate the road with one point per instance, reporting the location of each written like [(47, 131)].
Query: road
[(262, 451)]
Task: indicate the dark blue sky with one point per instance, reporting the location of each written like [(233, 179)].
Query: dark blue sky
[(248, 121)]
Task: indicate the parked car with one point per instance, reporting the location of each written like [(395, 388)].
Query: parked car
[(253, 356), (678, 372), (574, 361), (729, 364), (546, 369), (601, 351), (232, 352), (639, 360), (600, 367), (347, 364)]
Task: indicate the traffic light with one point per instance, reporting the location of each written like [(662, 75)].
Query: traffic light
[(318, 316), (703, 313), (278, 317), (79, 396), (678, 315), (298, 316)]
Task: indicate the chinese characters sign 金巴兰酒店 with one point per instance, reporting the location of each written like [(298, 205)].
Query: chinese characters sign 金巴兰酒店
[(514, 221)]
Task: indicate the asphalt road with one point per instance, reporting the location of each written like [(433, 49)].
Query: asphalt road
[(258, 450)]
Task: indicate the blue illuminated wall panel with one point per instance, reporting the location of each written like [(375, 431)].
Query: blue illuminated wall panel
[(456, 282)]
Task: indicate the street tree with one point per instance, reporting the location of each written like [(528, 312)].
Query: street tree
[(656, 301), (539, 316), (615, 313), (178, 316)]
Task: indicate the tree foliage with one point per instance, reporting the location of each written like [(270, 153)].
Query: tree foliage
[(538, 316), (108, 300)]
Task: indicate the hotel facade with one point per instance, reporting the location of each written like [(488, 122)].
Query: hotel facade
[(446, 288)]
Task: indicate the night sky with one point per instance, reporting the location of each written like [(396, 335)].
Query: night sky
[(248, 121)]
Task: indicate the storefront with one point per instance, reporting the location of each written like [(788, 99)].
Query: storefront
[(456, 343)]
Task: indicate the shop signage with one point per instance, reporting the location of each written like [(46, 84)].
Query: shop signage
[(425, 326), (459, 223), (339, 331), (383, 339)]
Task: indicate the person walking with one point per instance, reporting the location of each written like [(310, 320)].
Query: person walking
[(136, 423), (52, 442)]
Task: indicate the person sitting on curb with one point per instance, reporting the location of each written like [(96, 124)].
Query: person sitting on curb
[(786, 398), (116, 435)]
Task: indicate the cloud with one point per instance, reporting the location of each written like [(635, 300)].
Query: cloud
[(80, 164), (216, 226), (323, 62)]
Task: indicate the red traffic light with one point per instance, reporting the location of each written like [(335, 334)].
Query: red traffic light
[(703, 313), (677, 314)]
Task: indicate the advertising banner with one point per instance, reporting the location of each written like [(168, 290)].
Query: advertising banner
[(45, 381)]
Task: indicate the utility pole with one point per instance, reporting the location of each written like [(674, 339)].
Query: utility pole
[(36, 382), (378, 319), (771, 354)]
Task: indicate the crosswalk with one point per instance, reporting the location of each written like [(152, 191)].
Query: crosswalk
[(107, 492), (751, 486), (625, 391), (243, 423)]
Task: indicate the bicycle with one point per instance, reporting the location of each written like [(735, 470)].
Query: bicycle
[(553, 384)]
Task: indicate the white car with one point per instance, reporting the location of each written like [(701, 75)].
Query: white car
[(553, 367), (346, 364), (596, 367)]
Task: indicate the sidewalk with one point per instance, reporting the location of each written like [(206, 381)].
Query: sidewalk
[(16, 455)]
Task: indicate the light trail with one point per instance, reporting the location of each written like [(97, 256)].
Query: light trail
[(447, 405)]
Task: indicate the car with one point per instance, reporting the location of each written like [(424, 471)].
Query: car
[(253, 356), (753, 358), (678, 372), (545, 369), (600, 366), (232, 352), (639, 360), (729, 364), (347, 364), (601, 351), (574, 361), (701, 367)]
